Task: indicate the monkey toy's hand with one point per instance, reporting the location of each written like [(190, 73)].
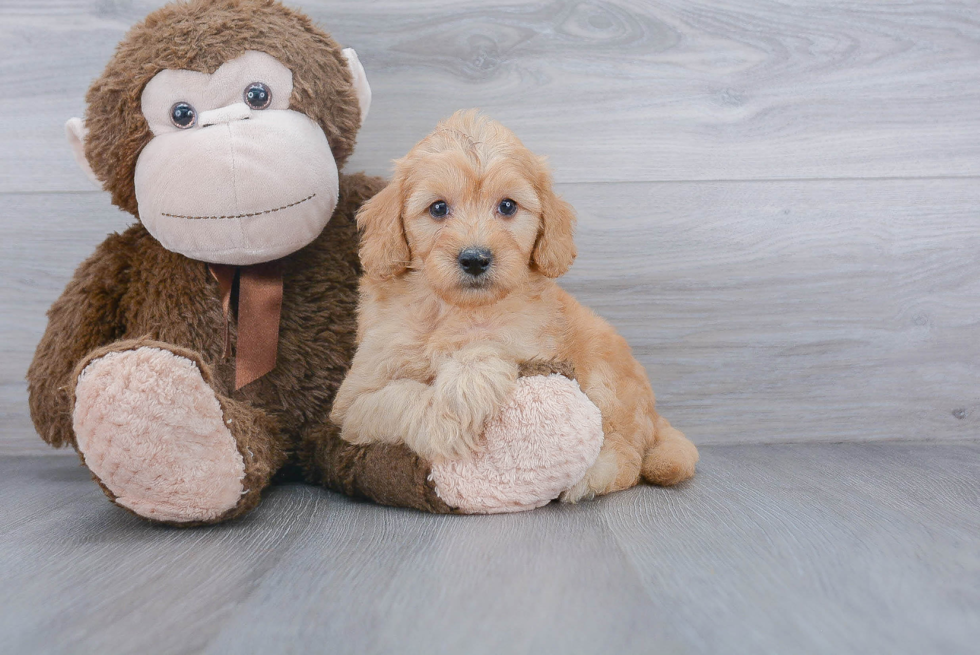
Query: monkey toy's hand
[(540, 443)]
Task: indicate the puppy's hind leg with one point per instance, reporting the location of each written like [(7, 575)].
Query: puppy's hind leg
[(671, 458), (617, 468), (597, 479)]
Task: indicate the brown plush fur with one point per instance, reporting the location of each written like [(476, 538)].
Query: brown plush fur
[(439, 350), (133, 292), (201, 35)]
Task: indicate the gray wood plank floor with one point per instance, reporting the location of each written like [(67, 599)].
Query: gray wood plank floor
[(848, 548)]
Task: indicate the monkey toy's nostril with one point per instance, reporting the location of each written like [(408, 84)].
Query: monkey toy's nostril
[(475, 261)]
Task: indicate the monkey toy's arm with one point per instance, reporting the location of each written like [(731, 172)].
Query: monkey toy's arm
[(543, 442), (85, 317)]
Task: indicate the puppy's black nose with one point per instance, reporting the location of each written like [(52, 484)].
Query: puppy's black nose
[(475, 261)]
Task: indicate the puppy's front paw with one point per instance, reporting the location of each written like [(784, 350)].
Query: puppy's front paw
[(470, 389), (443, 438)]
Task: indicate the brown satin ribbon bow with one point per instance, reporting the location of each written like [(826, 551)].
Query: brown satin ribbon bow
[(259, 306)]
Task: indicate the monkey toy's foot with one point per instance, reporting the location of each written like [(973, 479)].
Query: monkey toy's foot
[(153, 432), (539, 445)]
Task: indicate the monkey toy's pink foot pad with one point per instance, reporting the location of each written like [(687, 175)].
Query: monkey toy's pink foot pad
[(152, 430), (540, 444)]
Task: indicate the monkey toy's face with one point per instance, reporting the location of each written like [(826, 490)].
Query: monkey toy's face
[(231, 170), (232, 175)]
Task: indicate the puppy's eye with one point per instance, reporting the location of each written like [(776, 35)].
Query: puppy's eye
[(257, 95), (183, 115), (507, 207), (439, 209)]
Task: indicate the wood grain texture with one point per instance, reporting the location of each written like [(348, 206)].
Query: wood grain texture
[(763, 311), (842, 310), (612, 91), (852, 548)]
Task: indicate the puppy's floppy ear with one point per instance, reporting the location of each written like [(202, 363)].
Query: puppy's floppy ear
[(554, 250), (384, 249)]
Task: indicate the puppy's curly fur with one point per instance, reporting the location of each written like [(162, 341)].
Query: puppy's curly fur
[(439, 348)]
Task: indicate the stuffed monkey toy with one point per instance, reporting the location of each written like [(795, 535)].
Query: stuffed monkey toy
[(195, 356)]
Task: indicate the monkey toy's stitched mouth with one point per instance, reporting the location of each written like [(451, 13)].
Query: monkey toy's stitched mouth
[(265, 211)]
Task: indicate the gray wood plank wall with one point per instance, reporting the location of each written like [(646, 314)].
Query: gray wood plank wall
[(778, 202)]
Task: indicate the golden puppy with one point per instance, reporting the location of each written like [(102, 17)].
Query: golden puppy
[(460, 252)]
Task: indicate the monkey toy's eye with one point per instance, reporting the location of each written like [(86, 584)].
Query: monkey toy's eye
[(439, 209), (183, 115), (507, 207), (258, 95)]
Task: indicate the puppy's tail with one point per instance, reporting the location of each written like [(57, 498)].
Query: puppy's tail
[(671, 457)]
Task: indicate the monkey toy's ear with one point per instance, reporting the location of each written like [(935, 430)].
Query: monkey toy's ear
[(75, 131), (361, 86)]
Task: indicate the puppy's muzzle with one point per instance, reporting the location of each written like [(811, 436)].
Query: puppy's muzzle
[(475, 261)]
